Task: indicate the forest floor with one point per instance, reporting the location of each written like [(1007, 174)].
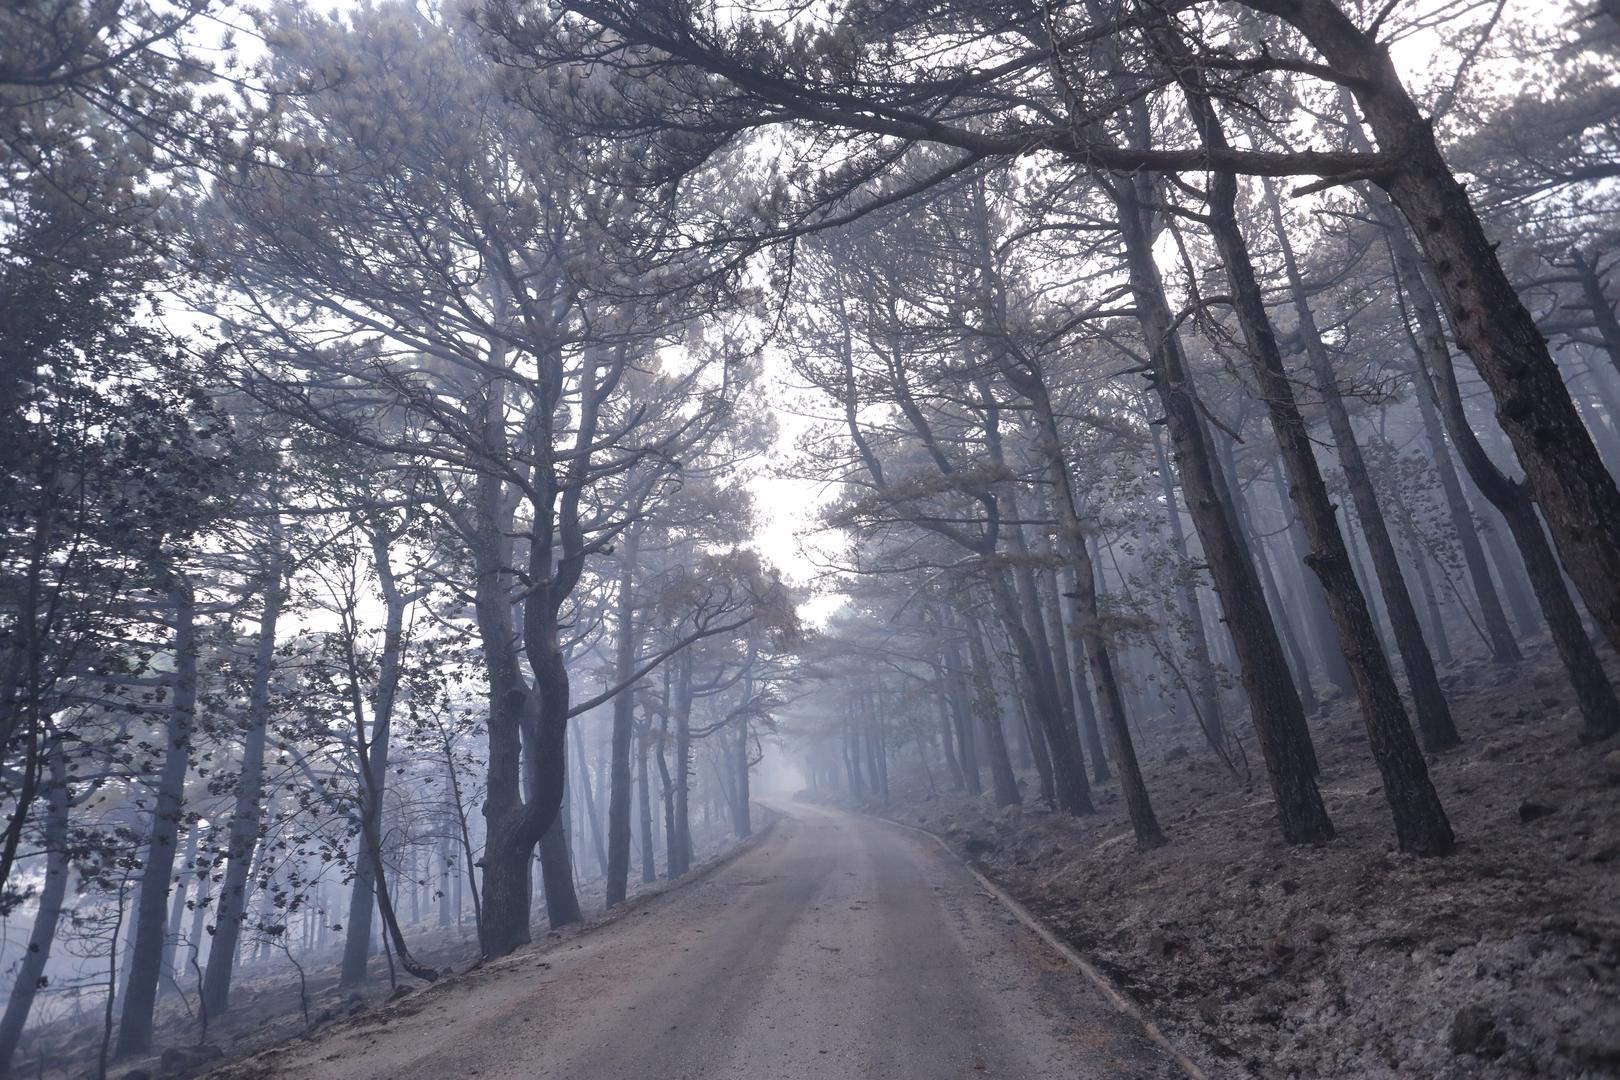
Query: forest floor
[(1501, 960), (267, 1008)]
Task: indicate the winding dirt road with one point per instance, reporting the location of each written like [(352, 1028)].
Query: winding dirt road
[(835, 948)]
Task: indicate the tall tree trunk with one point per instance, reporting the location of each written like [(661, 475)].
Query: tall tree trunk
[(243, 835), (593, 823), (1274, 701), (446, 874), (681, 708), (198, 937), (1420, 821), (1087, 616), (1316, 621), (649, 843), (1498, 635), (508, 850), (624, 718), (880, 744), (1289, 630), (1562, 467), (1090, 730), (1594, 693), (947, 740), (742, 815), (1205, 691), (1004, 782), (1057, 736), (48, 912), (152, 905), (961, 706), (1585, 266), (177, 916), (557, 872), (1434, 718), (1419, 560)]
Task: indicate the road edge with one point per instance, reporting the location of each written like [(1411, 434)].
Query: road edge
[(1054, 940), (261, 1063)]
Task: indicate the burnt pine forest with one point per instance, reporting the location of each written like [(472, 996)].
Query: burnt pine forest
[(809, 540)]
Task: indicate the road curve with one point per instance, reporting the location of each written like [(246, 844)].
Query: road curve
[(836, 948)]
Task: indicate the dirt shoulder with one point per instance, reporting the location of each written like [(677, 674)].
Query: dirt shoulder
[(266, 1011), (1502, 960)]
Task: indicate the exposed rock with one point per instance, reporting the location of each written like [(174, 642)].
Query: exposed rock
[(1529, 810), (1474, 1031), (1163, 945), (1279, 950)]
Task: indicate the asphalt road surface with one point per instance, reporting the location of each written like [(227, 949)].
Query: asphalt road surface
[(836, 948)]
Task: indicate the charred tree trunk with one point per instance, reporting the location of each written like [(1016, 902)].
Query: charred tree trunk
[(593, 823), (1289, 630), (1043, 720), (1071, 537), (1594, 693), (680, 838), (961, 705), (243, 835), (947, 734), (1420, 821), (152, 904), (1004, 782), (742, 815), (1434, 718), (557, 873), (1563, 469), (624, 717), (48, 912), (1418, 558), (1273, 699), (177, 916), (1090, 730), (1498, 634), (1205, 691), (649, 845)]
